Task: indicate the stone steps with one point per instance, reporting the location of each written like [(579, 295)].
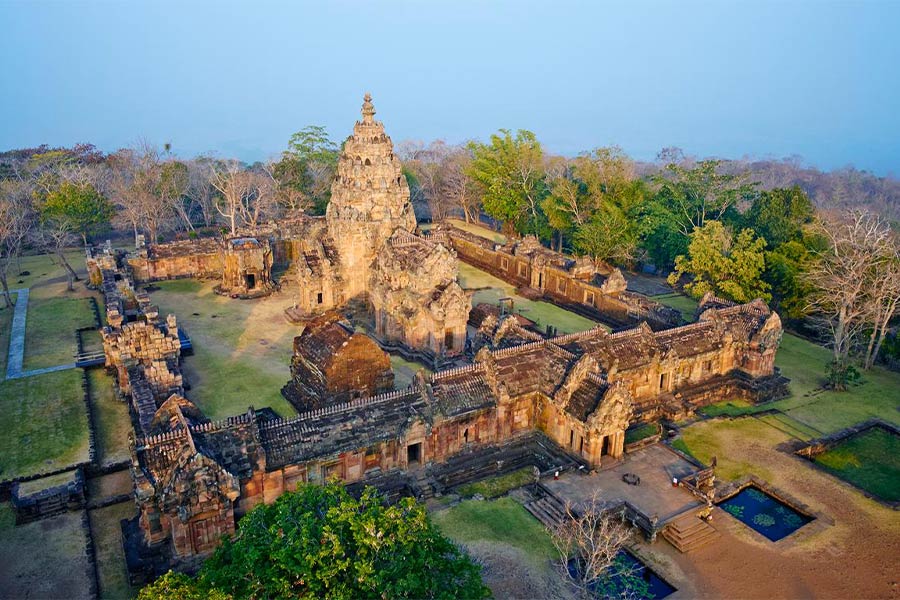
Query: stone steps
[(547, 511), (689, 532)]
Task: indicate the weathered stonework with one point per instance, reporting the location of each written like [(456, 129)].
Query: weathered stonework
[(333, 363), (578, 284)]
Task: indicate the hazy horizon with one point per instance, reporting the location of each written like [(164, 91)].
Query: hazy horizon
[(764, 80)]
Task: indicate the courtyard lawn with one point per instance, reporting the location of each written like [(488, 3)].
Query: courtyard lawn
[(503, 520), (490, 289), (107, 534), (44, 559), (497, 486), (110, 417), (405, 371), (50, 330), (242, 348), (640, 432), (686, 305), (706, 439), (477, 229), (870, 460), (44, 424)]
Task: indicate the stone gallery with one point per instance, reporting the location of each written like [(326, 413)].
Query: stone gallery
[(577, 393)]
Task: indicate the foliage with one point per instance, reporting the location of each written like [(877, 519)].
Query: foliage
[(841, 375), (727, 265), (177, 586), (780, 215), (78, 207), (510, 174), (764, 520), (305, 170), (320, 542)]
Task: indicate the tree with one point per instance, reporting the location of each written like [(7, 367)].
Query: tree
[(608, 236), (780, 215), (858, 246), (729, 266), (700, 193), (306, 169), (588, 542), (79, 206), (245, 197), (15, 224), (458, 189), (510, 174), (177, 586), (319, 542)]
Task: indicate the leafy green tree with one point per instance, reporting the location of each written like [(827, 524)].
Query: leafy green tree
[(319, 542), (306, 169), (780, 215), (79, 206), (729, 266), (608, 236), (658, 233), (177, 586), (510, 174)]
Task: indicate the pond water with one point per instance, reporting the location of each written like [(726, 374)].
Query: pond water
[(628, 577), (764, 513)]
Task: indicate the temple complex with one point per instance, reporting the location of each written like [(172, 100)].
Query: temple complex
[(532, 398)]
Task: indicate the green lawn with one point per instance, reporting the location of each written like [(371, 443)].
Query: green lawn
[(640, 432), (44, 424), (686, 305), (108, 546), (870, 460), (503, 520), (44, 559), (242, 348), (110, 417), (50, 330), (490, 289), (706, 439), (497, 486)]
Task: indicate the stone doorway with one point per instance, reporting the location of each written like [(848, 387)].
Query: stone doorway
[(414, 455), (606, 447), (249, 281)]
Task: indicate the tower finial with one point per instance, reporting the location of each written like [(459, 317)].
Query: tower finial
[(368, 110)]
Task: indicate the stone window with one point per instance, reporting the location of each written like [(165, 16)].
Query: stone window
[(561, 285), (707, 366), (589, 298), (504, 263), (523, 269), (663, 381), (335, 469), (319, 298)]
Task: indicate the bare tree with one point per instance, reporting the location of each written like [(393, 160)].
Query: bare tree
[(858, 245), (245, 197), (883, 301), (15, 224), (590, 538), (201, 193), (457, 187)]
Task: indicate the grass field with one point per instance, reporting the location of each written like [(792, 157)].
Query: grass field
[(503, 520), (870, 460), (497, 486), (706, 439), (490, 289), (44, 559), (50, 330), (640, 432), (110, 417), (242, 348), (108, 545), (44, 424), (481, 230), (685, 305)]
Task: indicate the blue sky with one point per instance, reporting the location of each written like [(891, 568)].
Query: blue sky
[(767, 79)]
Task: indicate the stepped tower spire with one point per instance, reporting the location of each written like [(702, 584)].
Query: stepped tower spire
[(369, 198)]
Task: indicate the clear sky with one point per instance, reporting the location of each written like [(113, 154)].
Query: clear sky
[(767, 79)]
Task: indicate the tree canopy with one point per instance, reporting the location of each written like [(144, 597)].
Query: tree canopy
[(319, 542), (728, 265), (79, 207)]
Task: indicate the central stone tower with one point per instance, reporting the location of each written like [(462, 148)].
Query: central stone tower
[(369, 199)]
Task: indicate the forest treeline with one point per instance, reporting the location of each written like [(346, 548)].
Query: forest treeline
[(821, 247)]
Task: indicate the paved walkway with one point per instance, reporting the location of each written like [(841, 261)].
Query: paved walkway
[(17, 341), (656, 465)]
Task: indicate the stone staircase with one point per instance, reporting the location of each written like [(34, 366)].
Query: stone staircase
[(422, 485), (546, 508), (689, 532)]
